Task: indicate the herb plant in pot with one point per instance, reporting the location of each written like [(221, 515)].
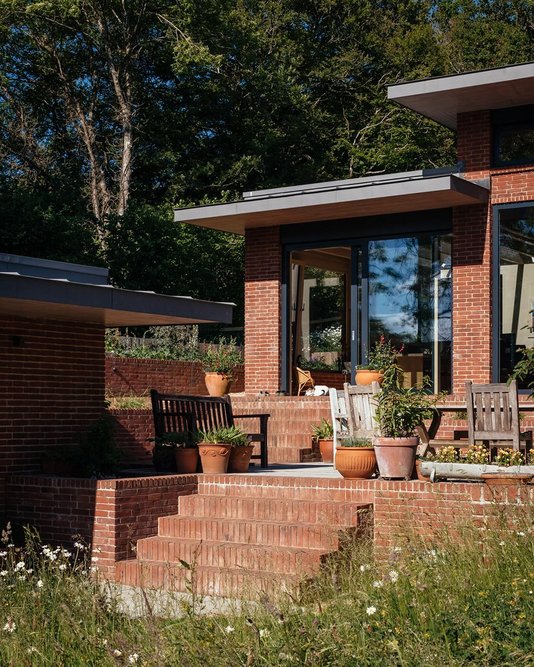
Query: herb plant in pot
[(241, 450), (218, 362), (215, 448), (355, 458), (324, 434), (381, 363), (399, 412)]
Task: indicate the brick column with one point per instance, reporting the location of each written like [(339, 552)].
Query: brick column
[(263, 272)]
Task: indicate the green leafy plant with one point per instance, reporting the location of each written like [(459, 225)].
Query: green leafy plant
[(400, 410), (356, 442), (230, 435), (186, 439), (524, 369), (222, 357), (324, 430), (383, 357)]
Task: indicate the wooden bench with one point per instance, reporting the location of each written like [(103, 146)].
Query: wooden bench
[(173, 413)]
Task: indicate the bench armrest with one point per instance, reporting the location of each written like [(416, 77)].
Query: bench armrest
[(258, 416)]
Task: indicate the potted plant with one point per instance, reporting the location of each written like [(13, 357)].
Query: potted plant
[(163, 456), (324, 434), (241, 450), (355, 458), (184, 448), (381, 363), (218, 362), (399, 412), (215, 448)]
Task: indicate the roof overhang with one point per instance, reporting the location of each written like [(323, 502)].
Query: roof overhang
[(354, 198), (55, 299), (443, 98)]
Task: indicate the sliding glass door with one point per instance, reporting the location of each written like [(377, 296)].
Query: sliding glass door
[(343, 298)]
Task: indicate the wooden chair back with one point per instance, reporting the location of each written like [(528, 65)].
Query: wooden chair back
[(304, 379), (493, 414), (361, 409), (338, 410)]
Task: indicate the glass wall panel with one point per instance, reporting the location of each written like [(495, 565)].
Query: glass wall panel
[(410, 303), (516, 252)]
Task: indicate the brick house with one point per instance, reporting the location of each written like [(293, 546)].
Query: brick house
[(440, 261), (52, 321)]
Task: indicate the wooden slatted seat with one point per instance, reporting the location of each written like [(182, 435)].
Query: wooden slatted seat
[(173, 413), (493, 416), (361, 409)]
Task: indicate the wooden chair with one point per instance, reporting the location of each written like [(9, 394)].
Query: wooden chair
[(338, 410), (361, 409), (304, 380), (493, 416), (176, 413)]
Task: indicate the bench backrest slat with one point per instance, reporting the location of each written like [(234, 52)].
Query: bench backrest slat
[(179, 412)]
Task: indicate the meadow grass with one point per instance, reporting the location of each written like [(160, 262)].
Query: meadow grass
[(465, 599)]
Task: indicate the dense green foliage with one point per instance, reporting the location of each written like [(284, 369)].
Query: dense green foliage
[(462, 599), (112, 112)]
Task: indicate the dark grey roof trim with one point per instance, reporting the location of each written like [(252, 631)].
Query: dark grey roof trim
[(103, 303), (47, 268), (443, 98)]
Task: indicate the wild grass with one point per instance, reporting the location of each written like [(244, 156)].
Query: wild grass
[(465, 599)]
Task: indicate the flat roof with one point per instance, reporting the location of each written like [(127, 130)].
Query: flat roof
[(334, 200), (24, 294), (443, 98)]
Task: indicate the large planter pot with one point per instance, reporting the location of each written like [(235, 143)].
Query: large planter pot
[(366, 377), (186, 460), (240, 458), (218, 384), (356, 462), (396, 457), (326, 447), (214, 457)]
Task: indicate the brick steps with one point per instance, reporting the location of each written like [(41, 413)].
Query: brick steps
[(230, 555), (242, 535), (216, 581), (249, 531)]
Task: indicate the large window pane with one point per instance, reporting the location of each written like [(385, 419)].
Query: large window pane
[(516, 251), (410, 303)]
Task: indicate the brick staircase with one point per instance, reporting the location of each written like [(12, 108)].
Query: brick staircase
[(241, 536)]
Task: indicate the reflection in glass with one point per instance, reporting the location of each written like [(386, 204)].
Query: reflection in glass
[(516, 251), (410, 302)]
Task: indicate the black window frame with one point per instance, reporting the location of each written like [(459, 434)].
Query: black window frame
[(496, 284)]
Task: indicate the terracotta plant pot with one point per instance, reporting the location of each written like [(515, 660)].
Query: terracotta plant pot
[(326, 447), (419, 474), (506, 478), (368, 377), (218, 384), (186, 460), (214, 457), (240, 458), (356, 462), (396, 457)]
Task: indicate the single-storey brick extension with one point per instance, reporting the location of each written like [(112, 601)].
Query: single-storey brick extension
[(441, 261)]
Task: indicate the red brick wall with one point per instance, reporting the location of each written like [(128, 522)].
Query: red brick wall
[(110, 514), (52, 387), (262, 309), (136, 377)]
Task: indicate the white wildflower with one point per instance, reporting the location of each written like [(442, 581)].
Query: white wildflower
[(40, 583), (393, 575), (521, 533), (93, 569), (10, 626), (104, 642), (133, 658), (94, 559), (62, 567), (365, 567), (502, 543), (228, 629), (4, 573), (264, 632), (20, 566), (378, 584), (370, 611), (66, 554), (31, 649), (117, 653), (3, 554)]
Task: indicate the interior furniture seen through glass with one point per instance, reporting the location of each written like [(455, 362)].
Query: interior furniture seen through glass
[(516, 286)]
